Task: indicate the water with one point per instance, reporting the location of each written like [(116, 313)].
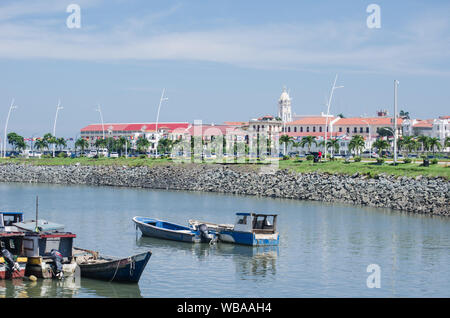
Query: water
[(324, 249)]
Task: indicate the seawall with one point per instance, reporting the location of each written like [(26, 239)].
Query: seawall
[(416, 195)]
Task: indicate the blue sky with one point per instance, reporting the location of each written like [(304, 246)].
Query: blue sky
[(218, 60)]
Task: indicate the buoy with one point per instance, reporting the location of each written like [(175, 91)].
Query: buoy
[(32, 278)]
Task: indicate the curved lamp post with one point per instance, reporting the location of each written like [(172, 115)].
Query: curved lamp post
[(6, 126), (328, 111), (58, 107)]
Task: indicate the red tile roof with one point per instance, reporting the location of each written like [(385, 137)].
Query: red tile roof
[(319, 120), (135, 127), (374, 121)]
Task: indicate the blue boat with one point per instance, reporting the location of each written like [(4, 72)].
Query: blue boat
[(249, 229), (110, 268), (171, 231)]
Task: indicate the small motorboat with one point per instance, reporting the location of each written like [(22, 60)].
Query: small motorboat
[(171, 231), (12, 260), (110, 268), (249, 229)]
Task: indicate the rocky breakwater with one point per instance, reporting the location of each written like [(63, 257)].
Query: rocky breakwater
[(418, 195)]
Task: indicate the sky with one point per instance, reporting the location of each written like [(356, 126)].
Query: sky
[(218, 60)]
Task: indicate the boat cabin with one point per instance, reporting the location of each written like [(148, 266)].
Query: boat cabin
[(13, 242), (256, 223), (40, 244), (8, 220)]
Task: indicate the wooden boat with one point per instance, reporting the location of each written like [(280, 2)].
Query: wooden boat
[(171, 231), (249, 229), (109, 268), (39, 247), (12, 261)]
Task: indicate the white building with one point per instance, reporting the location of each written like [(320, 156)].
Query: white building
[(284, 107)]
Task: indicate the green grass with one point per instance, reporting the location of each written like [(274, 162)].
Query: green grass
[(369, 168), (340, 167)]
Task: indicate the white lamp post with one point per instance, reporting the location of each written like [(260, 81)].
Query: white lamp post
[(58, 107), (6, 126), (395, 120), (157, 118), (98, 109), (328, 111), (370, 132)]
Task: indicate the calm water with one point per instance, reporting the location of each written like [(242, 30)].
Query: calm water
[(324, 249)]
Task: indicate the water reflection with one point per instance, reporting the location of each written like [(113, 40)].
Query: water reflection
[(250, 261), (24, 288), (200, 250), (100, 288)]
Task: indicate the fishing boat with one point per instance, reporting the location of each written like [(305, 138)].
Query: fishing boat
[(249, 229), (49, 254), (171, 231), (42, 225), (8, 221), (110, 268), (12, 261)]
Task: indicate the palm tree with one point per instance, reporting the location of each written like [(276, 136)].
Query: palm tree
[(356, 143), (285, 139), (308, 141), (80, 143), (61, 143), (334, 145), (424, 140), (142, 144), (433, 143), (381, 145), (40, 144), (16, 141), (447, 142)]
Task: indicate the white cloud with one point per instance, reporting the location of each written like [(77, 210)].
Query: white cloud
[(410, 49)]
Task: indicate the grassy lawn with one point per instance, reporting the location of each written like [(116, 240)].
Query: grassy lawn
[(340, 167), (372, 168)]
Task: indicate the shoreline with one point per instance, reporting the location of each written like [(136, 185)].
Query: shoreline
[(422, 195)]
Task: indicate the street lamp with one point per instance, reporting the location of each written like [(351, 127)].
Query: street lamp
[(6, 126), (328, 111), (157, 118), (58, 107), (395, 120), (98, 109)]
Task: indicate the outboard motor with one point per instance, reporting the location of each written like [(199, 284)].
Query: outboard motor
[(9, 259), (57, 263), (204, 235)]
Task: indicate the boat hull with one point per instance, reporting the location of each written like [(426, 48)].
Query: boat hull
[(185, 235), (43, 269), (249, 238), (127, 270), (5, 273)]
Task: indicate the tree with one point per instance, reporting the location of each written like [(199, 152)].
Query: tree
[(357, 144), (334, 145), (447, 142), (433, 143), (341, 115), (424, 140), (80, 143), (142, 144), (407, 143), (308, 141), (404, 115), (380, 145), (61, 143), (285, 140), (16, 141), (41, 144)]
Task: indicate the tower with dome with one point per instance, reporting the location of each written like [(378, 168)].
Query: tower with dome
[(284, 107)]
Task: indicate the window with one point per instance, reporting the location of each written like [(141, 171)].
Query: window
[(320, 128), (348, 130), (307, 129), (355, 130), (242, 220), (360, 129), (314, 129), (301, 129), (367, 129), (340, 129), (289, 129), (295, 129)]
